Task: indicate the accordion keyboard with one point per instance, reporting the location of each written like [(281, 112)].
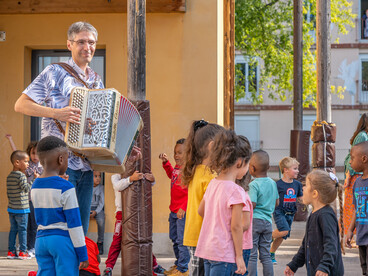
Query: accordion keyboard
[(78, 99)]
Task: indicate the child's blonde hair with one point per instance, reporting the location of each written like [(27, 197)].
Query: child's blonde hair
[(287, 162)]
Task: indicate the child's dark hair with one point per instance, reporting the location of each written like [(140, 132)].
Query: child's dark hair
[(227, 149), (244, 182), (362, 126), (18, 155), (31, 145), (180, 141), (328, 189), (50, 143), (262, 159), (195, 147)]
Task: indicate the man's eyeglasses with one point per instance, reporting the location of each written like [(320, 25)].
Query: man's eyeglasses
[(82, 42)]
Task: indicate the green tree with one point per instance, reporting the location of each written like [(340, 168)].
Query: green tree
[(264, 31)]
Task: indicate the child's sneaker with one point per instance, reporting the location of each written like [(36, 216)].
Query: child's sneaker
[(24, 256), (179, 273), (171, 270), (11, 255), (273, 258), (159, 270), (32, 273), (32, 252), (100, 248), (107, 272)]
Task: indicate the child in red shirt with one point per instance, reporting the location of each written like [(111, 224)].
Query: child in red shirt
[(178, 207), (94, 260)]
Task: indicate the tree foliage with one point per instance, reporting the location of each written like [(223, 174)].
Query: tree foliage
[(264, 34)]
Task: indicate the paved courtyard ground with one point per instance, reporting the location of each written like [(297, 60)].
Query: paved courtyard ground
[(283, 256)]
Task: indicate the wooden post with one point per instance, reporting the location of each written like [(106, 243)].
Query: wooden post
[(324, 149), (136, 50), (299, 138), (229, 62), (298, 65), (323, 60), (136, 244)]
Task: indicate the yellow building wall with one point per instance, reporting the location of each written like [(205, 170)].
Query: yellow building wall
[(184, 81)]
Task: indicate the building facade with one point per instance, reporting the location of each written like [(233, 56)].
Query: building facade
[(268, 125)]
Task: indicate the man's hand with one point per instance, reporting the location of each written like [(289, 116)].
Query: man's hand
[(36, 175), (67, 114), (180, 214), (92, 214), (149, 177), (320, 273), (83, 265), (89, 125), (136, 176), (163, 157), (288, 271)]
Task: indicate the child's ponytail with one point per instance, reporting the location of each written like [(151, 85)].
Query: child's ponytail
[(328, 188), (342, 229), (195, 147)]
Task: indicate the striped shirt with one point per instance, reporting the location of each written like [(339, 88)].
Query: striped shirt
[(57, 211), (52, 88), (17, 190)]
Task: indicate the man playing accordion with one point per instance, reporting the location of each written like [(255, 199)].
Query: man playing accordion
[(48, 97)]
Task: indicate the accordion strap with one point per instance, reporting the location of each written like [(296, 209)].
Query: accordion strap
[(72, 72)]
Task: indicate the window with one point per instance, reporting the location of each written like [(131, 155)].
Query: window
[(42, 58), (363, 19), (246, 79), (248, 126), (310, 18), (363, 80)]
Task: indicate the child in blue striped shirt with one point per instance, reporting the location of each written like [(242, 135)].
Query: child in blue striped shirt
[(60, 243)]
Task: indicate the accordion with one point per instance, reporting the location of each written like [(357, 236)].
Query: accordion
[(116, 125)]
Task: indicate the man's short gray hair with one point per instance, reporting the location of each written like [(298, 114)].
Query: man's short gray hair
[(81, 26)]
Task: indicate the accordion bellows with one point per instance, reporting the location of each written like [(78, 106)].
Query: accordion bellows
[(116, 126)]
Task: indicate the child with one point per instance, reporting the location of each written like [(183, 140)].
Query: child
[(94, 260), (34, 169), (220, 239), (320, 249), (289, 191), (97, 208), (178, 206), (119, 184), (60, 243), (247, 221), (18, 206), (359, 163), (196, 176), (264, 196)]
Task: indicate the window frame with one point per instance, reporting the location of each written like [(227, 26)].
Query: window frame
[(241, 59)]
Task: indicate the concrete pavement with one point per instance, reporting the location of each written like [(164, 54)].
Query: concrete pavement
[(283, 256)]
